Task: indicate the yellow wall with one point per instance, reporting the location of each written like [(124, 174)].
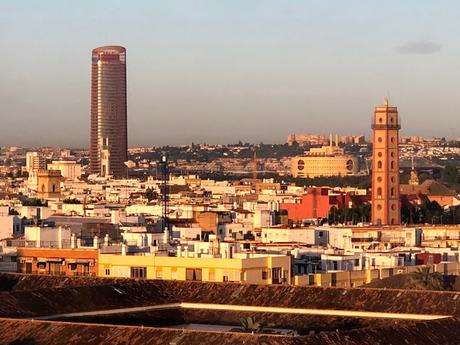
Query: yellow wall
[(247, 270), (348, 279)]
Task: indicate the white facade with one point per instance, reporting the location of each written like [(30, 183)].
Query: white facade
[(48, 236), (34, 162), (309, 236), (10, 226), (70, 170)]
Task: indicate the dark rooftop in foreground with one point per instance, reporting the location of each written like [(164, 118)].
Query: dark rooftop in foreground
[(27, 297)]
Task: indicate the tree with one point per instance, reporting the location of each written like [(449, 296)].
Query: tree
[(450, 175), (425, 279), (34, 202), (71, 201), (248, 324), (150, 194)]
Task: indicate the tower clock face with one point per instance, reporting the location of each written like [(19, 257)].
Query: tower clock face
[(349, 165)]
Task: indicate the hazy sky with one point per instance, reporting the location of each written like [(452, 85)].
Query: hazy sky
[(219, 71)]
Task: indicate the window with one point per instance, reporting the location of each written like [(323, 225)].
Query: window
[(159, 273), (392, 165), (392, 191), (193, 274), (264, 275), (320, 234), (107, 271), (379, 165), (139, 272), (276, 275), (212, 275), (300, 165), (379, 191), (72, 266)]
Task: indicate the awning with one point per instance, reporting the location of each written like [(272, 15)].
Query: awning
[(49, 260)]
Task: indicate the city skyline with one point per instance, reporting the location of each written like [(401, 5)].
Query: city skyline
[(219, 73)]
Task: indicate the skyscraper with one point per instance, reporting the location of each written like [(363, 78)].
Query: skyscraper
[(386, 209), (108, 136)]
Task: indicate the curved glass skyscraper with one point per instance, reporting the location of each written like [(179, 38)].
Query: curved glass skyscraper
[(108, 137)]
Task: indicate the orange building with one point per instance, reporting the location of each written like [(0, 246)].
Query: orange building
[(69, 262), (386, 208), (316, 203)]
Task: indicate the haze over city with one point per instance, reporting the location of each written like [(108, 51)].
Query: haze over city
[(219, 72)]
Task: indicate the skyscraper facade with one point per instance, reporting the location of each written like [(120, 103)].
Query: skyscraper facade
[(108, 136), (386, 209)]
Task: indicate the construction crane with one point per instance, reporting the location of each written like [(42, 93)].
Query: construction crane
[(165, 193), (254, 167)]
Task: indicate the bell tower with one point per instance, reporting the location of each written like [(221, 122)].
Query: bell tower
[(386, 209)]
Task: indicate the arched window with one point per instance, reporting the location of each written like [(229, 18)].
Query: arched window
[(392, 191), (392, 165), (379, 191), (379, 165), (54, 188)]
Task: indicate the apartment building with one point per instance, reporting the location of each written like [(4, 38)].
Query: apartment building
[(247, 269)]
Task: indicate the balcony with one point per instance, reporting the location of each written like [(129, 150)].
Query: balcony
[(386, 126)]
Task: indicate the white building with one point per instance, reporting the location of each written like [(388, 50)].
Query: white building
[(10, 225), (48, 236), (70, 170), (301, 235)]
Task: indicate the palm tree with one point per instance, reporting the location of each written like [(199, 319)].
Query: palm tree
[(248, 324), (430, 281)]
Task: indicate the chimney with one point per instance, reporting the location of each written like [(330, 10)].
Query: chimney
[(73, 241), (59, 237)]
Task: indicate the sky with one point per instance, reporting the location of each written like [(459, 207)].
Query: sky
[(228, 70)]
